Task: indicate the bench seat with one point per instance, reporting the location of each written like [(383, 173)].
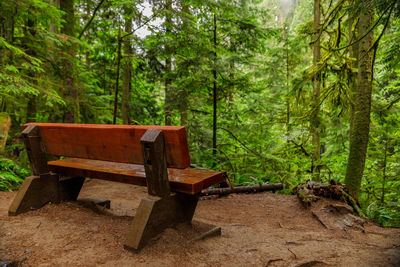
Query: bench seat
[(188, 181)]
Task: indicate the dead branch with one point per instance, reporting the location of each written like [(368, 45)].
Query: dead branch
[(242, 189)]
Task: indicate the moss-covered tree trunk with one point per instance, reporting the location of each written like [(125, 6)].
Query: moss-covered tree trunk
[(315, 121), (5, 123), (361, 100), (127, 67)]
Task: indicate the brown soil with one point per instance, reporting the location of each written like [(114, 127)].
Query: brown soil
[(257, 230)]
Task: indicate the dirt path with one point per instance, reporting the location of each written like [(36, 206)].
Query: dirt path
[(257, 229)]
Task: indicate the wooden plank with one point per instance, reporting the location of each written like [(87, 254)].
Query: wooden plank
[(188, 181), (37, 157), (155, 163), (117, 143)]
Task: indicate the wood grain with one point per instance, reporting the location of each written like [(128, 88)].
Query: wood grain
[(116, 143), (189, 181), (155, 163), (37, 157)]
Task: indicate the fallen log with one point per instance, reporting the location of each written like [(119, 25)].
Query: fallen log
[(241, 189)]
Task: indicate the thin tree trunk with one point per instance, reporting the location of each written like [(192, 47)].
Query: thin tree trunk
[(71, 114), (127, 68), (288, 130), (315, 120), (117, 78), (184, 94), (88, 14), (30, 33), (214, 144), (384, 165), (361, 98), (168, 65), (183, 107)]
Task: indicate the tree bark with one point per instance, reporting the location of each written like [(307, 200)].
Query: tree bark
[(30, 32), (87, 54), (71, 114), (127, 68), (361, 98), (168, 64), (315, 120), (117, 78), (214, 144), (184, 94)]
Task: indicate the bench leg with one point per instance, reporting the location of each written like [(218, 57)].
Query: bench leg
[(156, 214), (37, 191), (69, 188), (34, 193)]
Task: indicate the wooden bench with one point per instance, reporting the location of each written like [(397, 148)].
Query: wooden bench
[(152, 156)]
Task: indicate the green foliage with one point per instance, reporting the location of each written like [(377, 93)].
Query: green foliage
[(11, 174), (264, 84), (386, 215)]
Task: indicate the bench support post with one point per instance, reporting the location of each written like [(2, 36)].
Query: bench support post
[(160, 209), (44, 187), (37, 191), (34, 193), (155, 214)]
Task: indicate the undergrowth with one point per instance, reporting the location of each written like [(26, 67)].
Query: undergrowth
[(11, 174)]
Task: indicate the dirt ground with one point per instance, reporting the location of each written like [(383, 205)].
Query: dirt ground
[(262, 229)]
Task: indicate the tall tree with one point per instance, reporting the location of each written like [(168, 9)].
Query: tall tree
[(168, 105), (71, 113), (127, 67), (361, 103), (315, 120)]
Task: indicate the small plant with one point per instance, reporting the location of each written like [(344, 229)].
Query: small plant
[(387, 215), (11, 174)]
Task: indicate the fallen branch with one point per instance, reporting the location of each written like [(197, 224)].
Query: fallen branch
[(242, 189)]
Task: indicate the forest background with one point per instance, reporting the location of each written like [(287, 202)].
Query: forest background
[(269, 91)]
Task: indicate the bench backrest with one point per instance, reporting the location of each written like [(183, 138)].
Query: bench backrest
[(116, 143)]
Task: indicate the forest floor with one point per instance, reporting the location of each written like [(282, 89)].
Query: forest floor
[(263, 229)]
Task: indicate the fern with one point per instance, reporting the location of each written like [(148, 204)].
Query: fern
[(11, 174)]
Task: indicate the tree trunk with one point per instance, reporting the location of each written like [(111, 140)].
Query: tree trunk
[(384, 165), (168, 64), (30, 32), (7, 19), (315, 120), (214, 144), (183, 107), (361, 98), (5, 123), (127, 68), (71, 114), (117, 77), (353, 50), (88, 14), (184, 94)]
